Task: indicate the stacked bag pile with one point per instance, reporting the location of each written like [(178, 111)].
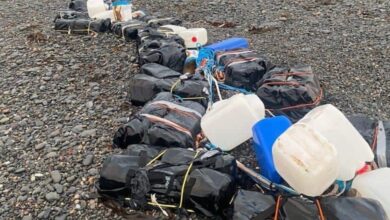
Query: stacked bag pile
[(314, 163)]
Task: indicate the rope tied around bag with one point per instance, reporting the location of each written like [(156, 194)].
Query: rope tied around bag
[(153, 197)]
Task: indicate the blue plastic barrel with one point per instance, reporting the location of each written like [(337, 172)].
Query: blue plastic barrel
[(265, 133), (229, 44)]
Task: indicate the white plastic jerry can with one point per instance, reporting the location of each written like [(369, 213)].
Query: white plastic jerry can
[(106, 14), (229, 123), (126, 12), (96, 7), (194, 37), (353, 150), (171, 29), (375, 185), (305, 160)]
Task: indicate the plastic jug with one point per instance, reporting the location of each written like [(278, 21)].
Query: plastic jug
[(306, 160), (106, 14), (353, 150), (96, 7), (229, 123), (265, 133), (126, 12), (375, 185), (229, 44), (194, 37), (171, 29)]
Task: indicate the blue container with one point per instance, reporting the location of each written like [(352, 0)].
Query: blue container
[(229, 44), (265, 133)]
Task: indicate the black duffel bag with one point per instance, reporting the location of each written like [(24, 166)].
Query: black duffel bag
[(155, 22), (71, 14), (241, 68), (291, 92), (208, 179), (250, 205), (128, 29), (332, 208), (165, 121), (155, 78), (82, 26), (155, 47)]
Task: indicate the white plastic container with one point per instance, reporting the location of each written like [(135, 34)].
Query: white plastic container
[(375, 185), (96, 7), (126, 12), (229, 122), (194, 37), (99, 10), (353, 150), (171, 29), (106, 14), (305, 160)]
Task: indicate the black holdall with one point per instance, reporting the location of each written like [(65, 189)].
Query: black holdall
[(155, 78), (290, 91), (156, 47), (241, 68), (165, 121), (203, 181), (128, 29), (82, 26), (251, 205), (71, 14), (155, 22)]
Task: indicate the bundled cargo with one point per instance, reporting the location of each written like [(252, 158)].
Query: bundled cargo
[(155, 47), (181, 178), (291, 92), (165, 121), (82, 26), (71, 14), (250, 205), (155, 78), (155, 22), (128, 30), (377, 135), (334, 208), (241, 68)]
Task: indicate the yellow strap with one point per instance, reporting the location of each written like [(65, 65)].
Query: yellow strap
[(168, 206), (185, 180), (174, 85), (156, 158)]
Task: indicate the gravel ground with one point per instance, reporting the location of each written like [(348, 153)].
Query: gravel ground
[(62, 98)]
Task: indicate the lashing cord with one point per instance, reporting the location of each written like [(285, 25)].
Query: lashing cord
[(318, 205), (185, 181), (277, 207), (182, 188)]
